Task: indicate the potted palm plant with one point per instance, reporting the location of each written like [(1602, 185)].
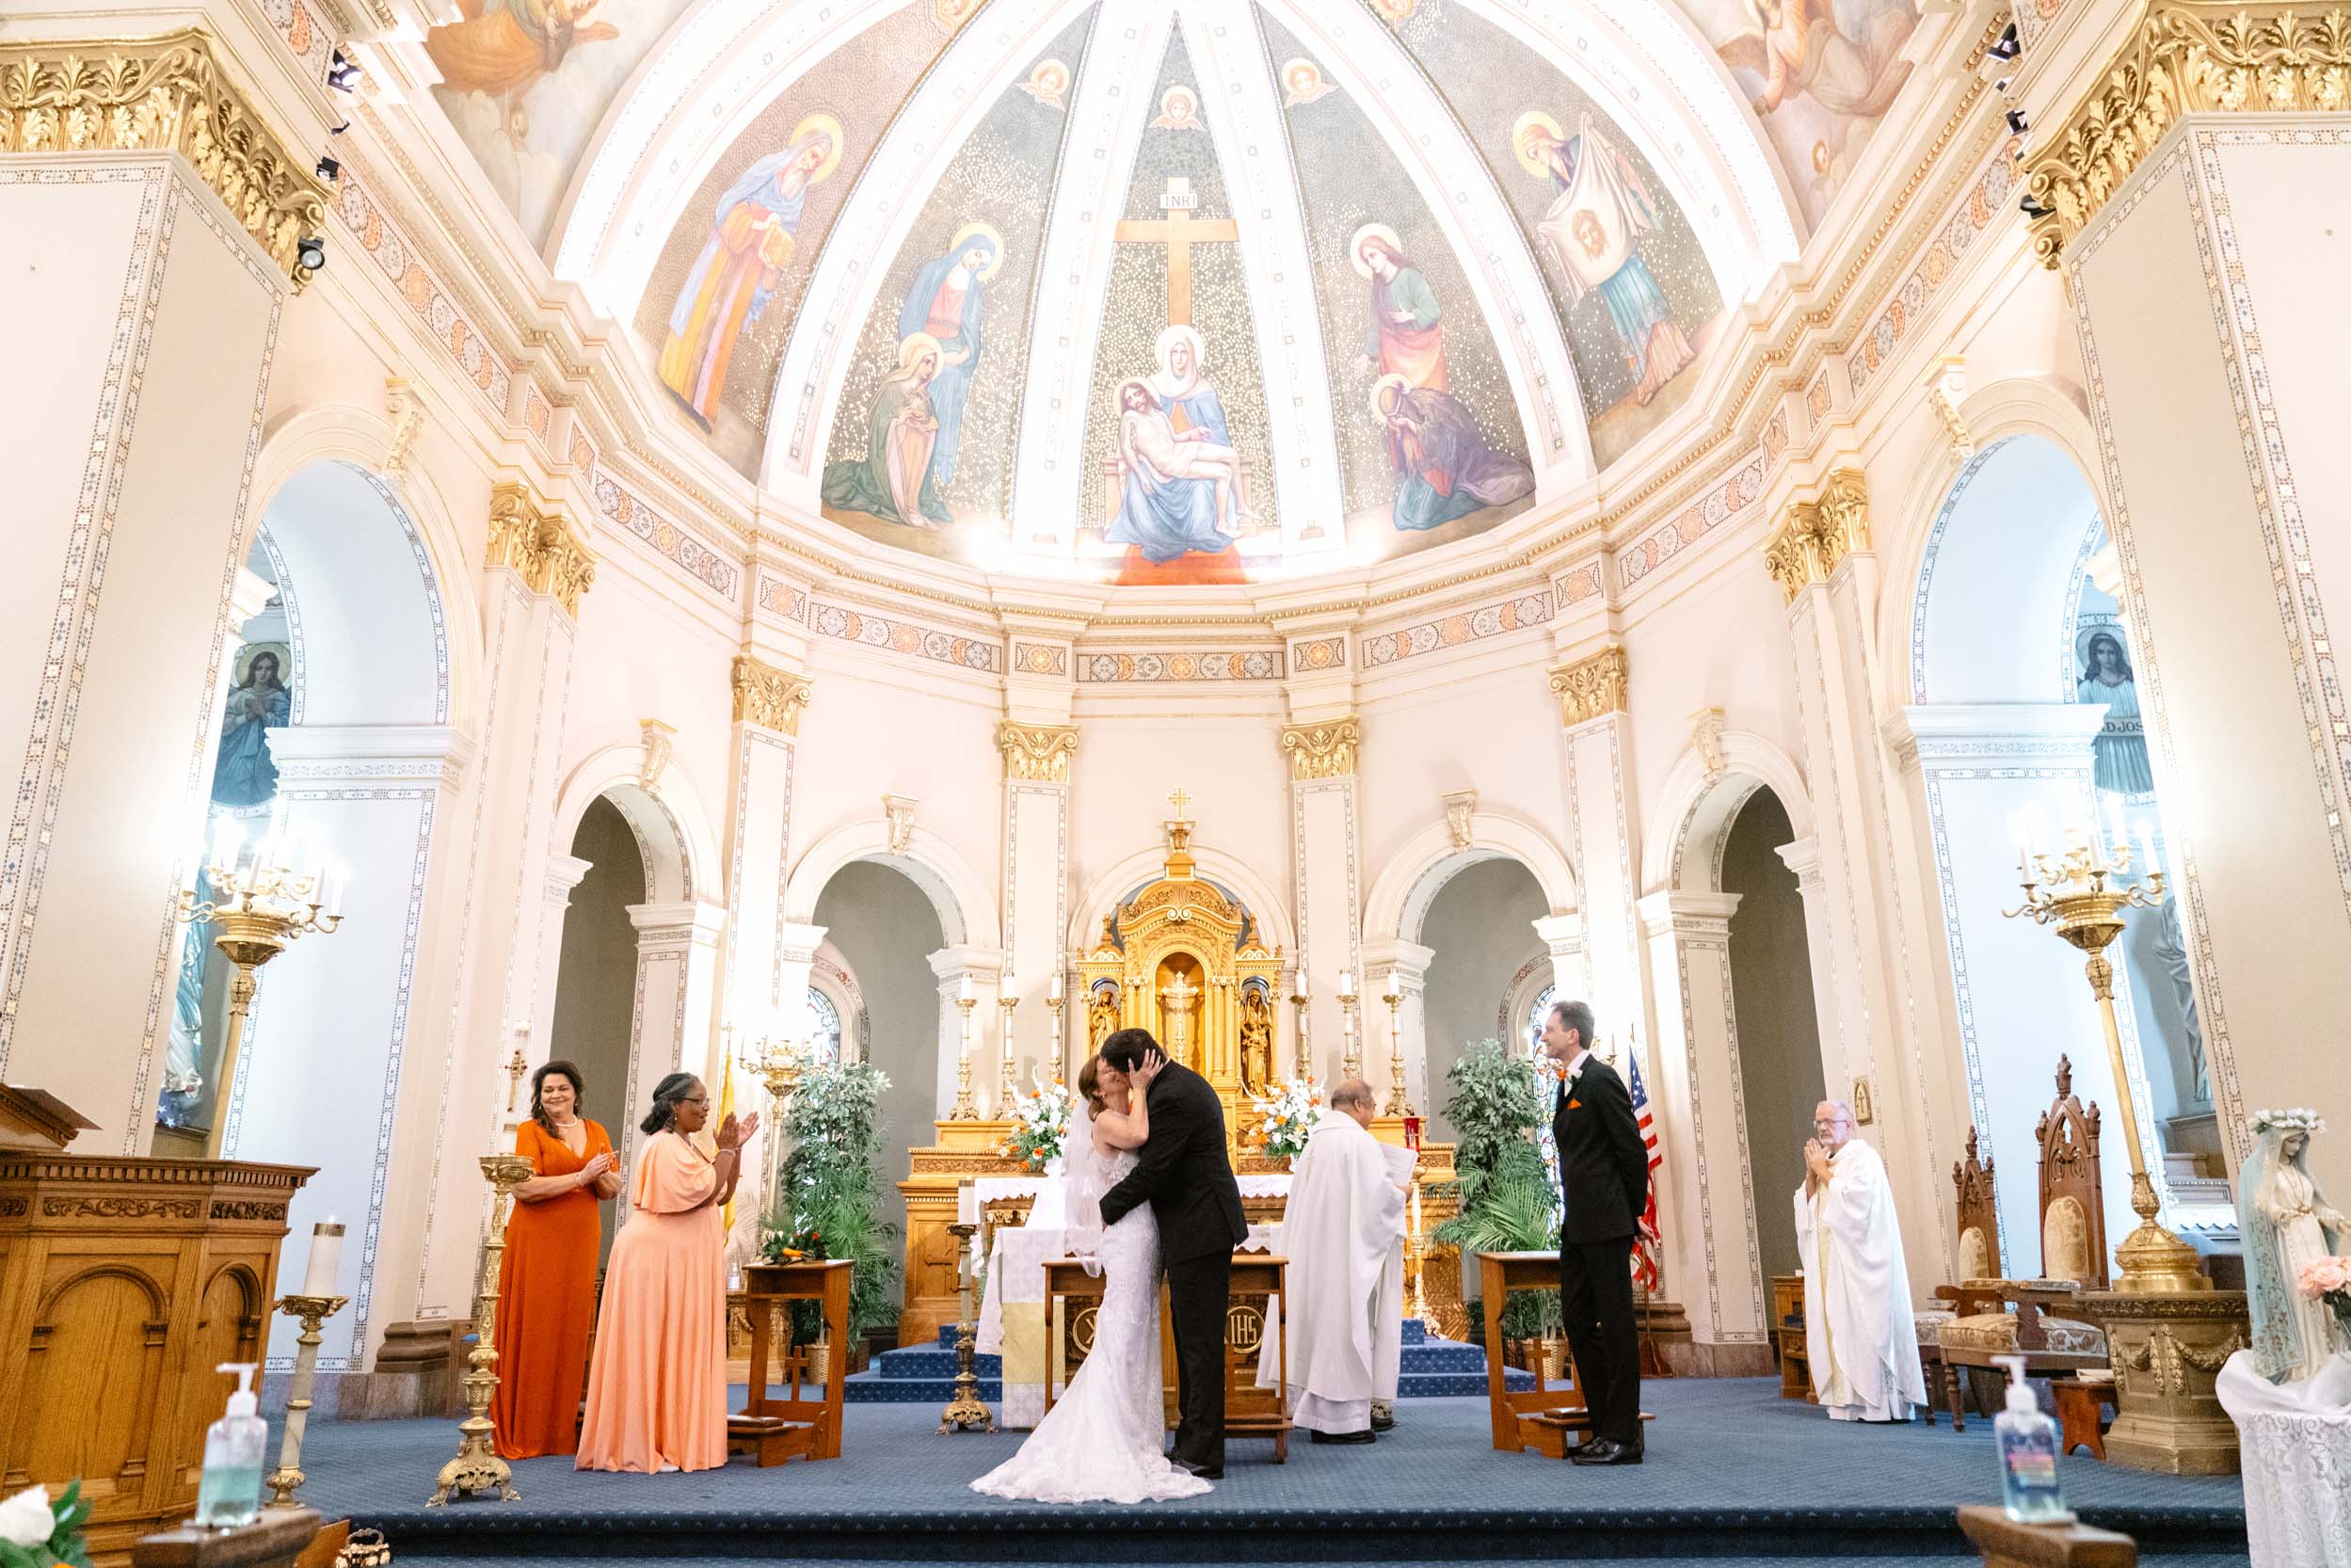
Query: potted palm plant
[(827, 1192), (1506, 1201)]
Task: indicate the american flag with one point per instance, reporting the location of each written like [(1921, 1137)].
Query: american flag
[(1645, 1245)]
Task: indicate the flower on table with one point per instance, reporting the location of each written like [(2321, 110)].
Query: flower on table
[(25, 1519)]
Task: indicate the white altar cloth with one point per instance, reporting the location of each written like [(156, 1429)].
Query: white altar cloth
[(2295, 1443)]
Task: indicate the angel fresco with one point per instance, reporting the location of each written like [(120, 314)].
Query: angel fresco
[(1845, 57), (502, 47), (753, 237)]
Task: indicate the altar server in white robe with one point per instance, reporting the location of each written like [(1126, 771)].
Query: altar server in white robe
[(1859, 1336), (1343, 1232)]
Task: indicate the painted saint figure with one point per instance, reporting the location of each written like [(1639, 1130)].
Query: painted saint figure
[(753, 236), (1444, 468), (944, 304), (243, 773), (1800, 53), (1179, 491), (1407, 335), (895, 481), (505, 47), (1592, 233), (2119, 752)]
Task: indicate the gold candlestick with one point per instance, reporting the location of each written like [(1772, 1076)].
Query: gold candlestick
[(1350, 1065), (1053, 1004), (965, 1411), (2078, 893), (1399, 1099), (257, 909), (1007, 1070), (313, 1311), (966, 1110), (1305, 1055), (779, 1070), (477, 1467)]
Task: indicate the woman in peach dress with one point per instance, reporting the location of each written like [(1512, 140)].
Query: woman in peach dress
[(657, 1390), (546, 1285)]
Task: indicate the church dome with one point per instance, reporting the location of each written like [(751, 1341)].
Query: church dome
[(1170, 291)]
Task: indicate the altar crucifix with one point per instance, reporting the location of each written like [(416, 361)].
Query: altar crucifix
[(1179, 230)]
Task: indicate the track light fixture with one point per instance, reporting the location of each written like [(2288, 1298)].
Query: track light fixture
[(2005, 46), (2017, 126), (328, 169), (342, 74), (2032, 208), (311, 254)]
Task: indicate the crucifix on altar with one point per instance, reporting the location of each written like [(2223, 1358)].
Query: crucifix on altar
[(1179, 230)]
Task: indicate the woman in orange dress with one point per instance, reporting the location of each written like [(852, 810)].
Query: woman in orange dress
[(546, 1285), (657, 1392)]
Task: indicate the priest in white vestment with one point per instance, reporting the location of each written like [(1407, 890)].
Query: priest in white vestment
[(1343, 1232), (1860, 1340)]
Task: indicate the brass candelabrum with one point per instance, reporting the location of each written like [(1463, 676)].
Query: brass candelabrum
[(312, 1311), (1007, 1080), (2081, 894), (1305, 1054), (477, 1467), (1350, 1060), (257, 906), (1400, 1097), (779, 1070), (1053, 1003), (965, 1411), (966, 1109)]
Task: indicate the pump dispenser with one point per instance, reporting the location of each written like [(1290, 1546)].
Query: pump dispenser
[(2028, 1455), (231, 1492)]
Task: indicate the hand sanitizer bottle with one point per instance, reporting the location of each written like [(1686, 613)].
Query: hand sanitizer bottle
[(2028, 1455), (231, 1492)]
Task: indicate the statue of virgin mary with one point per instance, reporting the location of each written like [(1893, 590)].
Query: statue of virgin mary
[(2287, 1225)]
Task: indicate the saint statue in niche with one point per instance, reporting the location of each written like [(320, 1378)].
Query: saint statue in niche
[(1102, 1015), (897, 479), (753, 236), (243, 773), (2119, 752), (1407, 335), (945, 303), (1257, 1042)]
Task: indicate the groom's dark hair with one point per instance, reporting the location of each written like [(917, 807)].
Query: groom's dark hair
[(1125, 1049)]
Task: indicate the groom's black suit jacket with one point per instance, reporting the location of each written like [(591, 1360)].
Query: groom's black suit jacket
[(1184, 1174)]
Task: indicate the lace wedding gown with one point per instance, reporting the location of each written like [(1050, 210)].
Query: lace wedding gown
[(1103, 1439)]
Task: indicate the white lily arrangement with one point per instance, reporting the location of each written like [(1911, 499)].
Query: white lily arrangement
[(1288, 1117)]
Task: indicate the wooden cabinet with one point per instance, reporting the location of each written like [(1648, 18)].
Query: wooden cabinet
[(1788, 1331), (123, 1283)]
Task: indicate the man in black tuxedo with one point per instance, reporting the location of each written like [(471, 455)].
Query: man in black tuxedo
[(1603, 1177), (1186, 1177)]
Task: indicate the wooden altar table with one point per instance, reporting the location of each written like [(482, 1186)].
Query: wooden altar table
[(778, 1430), (1249, 1410), (1541, 1417)]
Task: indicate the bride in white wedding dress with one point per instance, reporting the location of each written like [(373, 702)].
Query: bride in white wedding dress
[(1103, 1440)]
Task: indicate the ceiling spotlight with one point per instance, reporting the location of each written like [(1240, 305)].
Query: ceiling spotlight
[(311, 254), (342, 74), (329, 171), (2031, 207), (2016, 122), (2005, 46)]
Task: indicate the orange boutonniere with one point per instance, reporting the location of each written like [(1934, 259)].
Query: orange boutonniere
[(1574, 1105)]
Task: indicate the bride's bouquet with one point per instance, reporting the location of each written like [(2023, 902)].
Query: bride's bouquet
[(1287, 1117), (1040, 1124)]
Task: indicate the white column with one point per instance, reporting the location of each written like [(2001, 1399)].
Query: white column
[(673, 1024), (759, 1000), (1595, 767), (1403, 966), (1803, 859), (564, 876), (1039, 760), (984, 969), (1324, 841), (1705, 1200), (1563, 941)]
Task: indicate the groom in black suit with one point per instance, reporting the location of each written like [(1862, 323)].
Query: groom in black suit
[(1604, 1179), (1186, 1177)]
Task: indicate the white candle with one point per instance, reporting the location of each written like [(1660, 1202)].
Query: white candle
[(2121, 837), (226, 841), (1416, 1189), (2147, 848), (963, 989), (966, 1205), (335, 880), (319, 1277), (1303, 983), (1053, 991), (1347, 982)]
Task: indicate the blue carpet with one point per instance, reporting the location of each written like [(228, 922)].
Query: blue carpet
[(1733, 1471)]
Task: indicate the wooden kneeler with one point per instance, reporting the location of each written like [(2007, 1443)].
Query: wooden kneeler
[(1542, 1416)]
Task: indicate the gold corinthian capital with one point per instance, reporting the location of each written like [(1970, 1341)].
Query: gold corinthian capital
[(769, 697), (2184, 57), (1037, 753), (1591, 688), (539, 546), (1323, 751), (165, 94), (1816, 535)]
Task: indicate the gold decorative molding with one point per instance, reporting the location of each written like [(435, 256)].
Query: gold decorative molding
[(1037, 753), (1816, 535), (1591, 688), (537, 546), (165, 95), (2184, 56), (769, 697), (1323, 751)]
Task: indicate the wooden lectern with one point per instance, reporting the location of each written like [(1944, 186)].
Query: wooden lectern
[(771, 1430), (123, 1283), (1541, 1417)]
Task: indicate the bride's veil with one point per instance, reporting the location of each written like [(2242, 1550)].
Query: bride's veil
[(1084, 1181)]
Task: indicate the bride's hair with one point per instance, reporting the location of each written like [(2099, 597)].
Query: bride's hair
[(1090, 1086)]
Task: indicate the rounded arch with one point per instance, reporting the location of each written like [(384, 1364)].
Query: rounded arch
[(831, 975), (1683, 850), (1148, 865), (966, 910), (673, 831), (431, 548), (1431, 858)]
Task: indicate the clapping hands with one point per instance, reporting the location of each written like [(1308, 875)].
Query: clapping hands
[(602, 1163), (736, 1131)]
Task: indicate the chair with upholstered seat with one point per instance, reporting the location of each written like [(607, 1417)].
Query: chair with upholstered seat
[(2036, 1319)]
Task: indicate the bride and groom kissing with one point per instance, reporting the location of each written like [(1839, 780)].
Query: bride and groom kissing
[(1148, 1187)]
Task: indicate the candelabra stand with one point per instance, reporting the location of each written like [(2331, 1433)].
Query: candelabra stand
[(1007, 1071), (780, 1072), (257, 908), (1416, 1267), (1053, 1004), (477, 1467), (1351, 1061), (1306, 1053), (965, 1411), (964, 1109), (1399, 1099), (313, 1311)]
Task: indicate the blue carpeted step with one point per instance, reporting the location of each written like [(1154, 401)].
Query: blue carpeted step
[(1432, 1368), (865, 1389)]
